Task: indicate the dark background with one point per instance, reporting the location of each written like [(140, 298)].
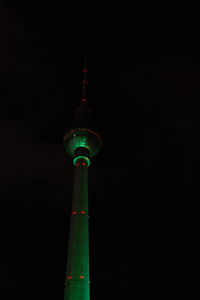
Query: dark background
[(144, 73)]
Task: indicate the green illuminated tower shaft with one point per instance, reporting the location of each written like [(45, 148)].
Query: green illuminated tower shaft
[(81, 143), (77, 279)]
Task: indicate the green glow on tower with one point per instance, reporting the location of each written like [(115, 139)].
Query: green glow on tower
[(81, 143)]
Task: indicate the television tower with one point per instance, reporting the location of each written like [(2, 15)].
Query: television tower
[(82, 143)]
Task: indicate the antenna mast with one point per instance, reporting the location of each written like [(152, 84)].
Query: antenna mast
[(84, 81)]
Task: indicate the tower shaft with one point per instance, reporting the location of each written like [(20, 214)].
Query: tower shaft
[(77, 277)]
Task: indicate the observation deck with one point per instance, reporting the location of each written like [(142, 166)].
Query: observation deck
[(82, 141)]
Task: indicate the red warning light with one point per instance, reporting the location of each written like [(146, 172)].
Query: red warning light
[(82, 276), (83, 212), (69, 277), (84, 164), (74, 213), (85, 70)]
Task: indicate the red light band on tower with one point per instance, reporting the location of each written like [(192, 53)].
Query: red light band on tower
[(85, 82), (84, 100)]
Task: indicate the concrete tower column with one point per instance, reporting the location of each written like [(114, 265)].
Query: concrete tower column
[(77, 275)]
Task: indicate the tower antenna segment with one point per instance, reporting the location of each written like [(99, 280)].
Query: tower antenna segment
[(84, 81)]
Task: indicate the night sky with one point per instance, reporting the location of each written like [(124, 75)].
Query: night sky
[(144, 89)]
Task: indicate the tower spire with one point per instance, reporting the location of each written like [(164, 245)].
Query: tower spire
[(83, 113), (84, 81)]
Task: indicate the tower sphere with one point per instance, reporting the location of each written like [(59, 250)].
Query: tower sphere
[(82, 141)]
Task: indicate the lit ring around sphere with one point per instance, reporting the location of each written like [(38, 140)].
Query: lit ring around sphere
[(79, 157)]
